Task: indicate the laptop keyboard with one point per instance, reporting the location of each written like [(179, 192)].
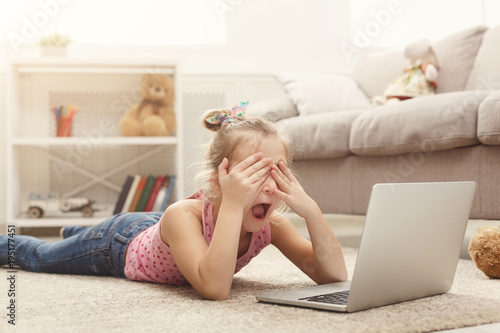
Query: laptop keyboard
[(339, 298)]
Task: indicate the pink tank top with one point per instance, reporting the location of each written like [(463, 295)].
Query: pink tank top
[(148, 258)]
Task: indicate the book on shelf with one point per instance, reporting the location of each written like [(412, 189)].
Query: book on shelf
[(169, 192), (131, 193), (137, 194), (161, 195), (123, 195), (154, 193), (145, 193)]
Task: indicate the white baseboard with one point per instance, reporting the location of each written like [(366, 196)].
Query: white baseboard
[(3, 228)]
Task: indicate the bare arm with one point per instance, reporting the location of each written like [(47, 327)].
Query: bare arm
[(321, 258), (210, 268)]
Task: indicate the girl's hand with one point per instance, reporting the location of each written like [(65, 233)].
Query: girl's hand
[(291, 192), (242, 183)]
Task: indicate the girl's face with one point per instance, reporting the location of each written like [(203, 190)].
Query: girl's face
[(266, 201)]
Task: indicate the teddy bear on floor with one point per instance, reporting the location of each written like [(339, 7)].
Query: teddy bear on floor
[(484, 248), (417, 80), (154, 115)]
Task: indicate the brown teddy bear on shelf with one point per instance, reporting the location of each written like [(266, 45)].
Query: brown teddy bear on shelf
[(484, 248), (154, 115)]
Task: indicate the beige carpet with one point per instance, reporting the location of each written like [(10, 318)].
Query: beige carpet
[(66, 303)]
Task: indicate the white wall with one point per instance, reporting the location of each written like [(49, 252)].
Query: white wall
[(263, 37), (3, 130), (268, 36)]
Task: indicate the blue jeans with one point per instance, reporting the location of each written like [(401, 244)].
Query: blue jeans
[(95, 250)]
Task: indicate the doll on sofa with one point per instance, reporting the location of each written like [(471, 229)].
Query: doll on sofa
[(417, 80)]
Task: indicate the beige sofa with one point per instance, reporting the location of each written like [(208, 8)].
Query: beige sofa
[(343, 145)]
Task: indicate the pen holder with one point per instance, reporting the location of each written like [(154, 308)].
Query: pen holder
[(64, 126)]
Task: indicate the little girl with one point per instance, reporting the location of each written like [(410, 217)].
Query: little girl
[(205, 239)]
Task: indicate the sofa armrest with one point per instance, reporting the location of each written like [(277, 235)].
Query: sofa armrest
[(488, 120), (273, 109)]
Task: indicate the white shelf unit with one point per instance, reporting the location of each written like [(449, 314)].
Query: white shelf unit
[(95, 161)]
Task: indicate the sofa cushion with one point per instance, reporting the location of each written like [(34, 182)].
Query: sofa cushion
[(273, 109), (488, 120), (323, 135), (317, 93), (374, 71), (485, 74), (456, 54), (428, 124)]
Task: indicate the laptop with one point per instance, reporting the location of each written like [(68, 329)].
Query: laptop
[(409, 249)]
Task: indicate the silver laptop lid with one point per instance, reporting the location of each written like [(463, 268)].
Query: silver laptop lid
[(411, 242)]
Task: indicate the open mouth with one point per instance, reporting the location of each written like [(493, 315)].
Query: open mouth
[(260, 210)]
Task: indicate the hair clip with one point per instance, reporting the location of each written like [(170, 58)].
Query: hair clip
[(223, 118), (239, 109)]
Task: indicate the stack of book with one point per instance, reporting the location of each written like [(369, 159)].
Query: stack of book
[(145, 194)]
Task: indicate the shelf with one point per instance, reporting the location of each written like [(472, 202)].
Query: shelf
[(68, 65), (34, 141), (56, 222), (38, 161), (95, 70)]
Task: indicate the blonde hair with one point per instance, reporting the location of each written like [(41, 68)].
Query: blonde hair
[(228, 137)]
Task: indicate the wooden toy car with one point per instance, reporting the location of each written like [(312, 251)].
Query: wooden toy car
[(41, 203)]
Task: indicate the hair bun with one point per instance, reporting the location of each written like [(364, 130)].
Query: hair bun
[(213, 119)]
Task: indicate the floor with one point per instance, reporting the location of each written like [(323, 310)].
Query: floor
[(348, 229)]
